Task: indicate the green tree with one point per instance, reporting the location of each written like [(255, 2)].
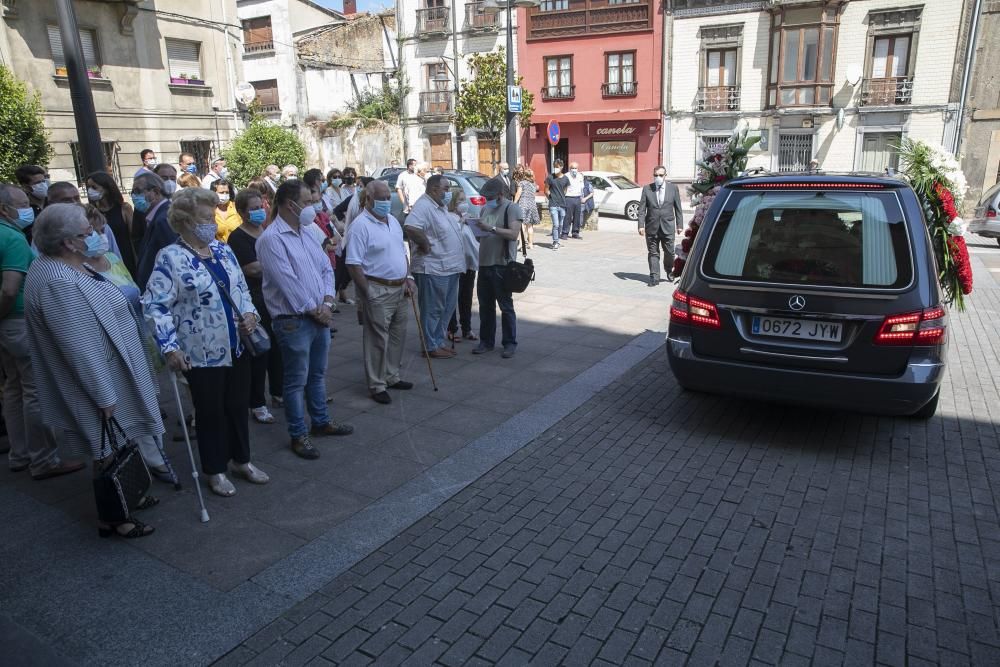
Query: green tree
[(23, 136), (260, 144), (482, 100)]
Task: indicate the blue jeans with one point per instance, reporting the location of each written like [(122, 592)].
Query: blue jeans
[(558, 215), (437, 297), (304, 347), (491, 292)]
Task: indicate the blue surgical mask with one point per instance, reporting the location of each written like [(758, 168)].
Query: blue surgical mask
[(447, 197), (336, 182), (658, 180), (382, 207), (492, 203), (258, 216), (191, 168), (96, 244), (40, 190), (323, 187), (25, 217), (140, 202), (223, 172), (170, 187)]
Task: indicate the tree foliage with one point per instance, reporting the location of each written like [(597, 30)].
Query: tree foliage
[(260, 144), (482, 100), (374, 106), (23, 136)]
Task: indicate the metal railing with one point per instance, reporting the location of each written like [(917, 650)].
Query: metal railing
[(270, 108), (558, 92), (719, 98), (436, 104), (887, 92), (620, 89), (477, 20), (433, 21), (258, 47)]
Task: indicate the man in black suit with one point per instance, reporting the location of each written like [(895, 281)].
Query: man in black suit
[(151, 203), (660, 220), (503, 176)]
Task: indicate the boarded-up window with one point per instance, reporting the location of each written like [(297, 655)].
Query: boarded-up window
[(257, 30), (184, 58), (267, 94), (88, 40)]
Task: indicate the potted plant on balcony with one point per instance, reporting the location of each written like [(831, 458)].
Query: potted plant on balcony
[(185, 80), (94, 73)]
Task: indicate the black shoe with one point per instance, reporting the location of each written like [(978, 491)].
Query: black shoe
[(653, 281), (303, 447), (576, 236), (401, 385), (382, 397), (333, 428), (508, 351), (482, 349)]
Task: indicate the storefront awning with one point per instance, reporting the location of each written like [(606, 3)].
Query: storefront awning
[(597, 116)]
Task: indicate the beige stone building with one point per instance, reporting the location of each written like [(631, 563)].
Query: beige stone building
[(163, 75), (837, 81), (979, 143)]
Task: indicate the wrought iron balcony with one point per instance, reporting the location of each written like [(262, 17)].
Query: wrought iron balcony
[(622, 89), (558, 92), (433, 22), (258, 47), (476, 20), (436, 105), (270, 108), (887, 92), (585, 17), (719, 98)]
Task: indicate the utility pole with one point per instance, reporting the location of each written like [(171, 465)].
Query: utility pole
[(511, 118), (88, 133)]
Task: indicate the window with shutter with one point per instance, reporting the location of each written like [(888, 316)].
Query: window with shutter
[(267, 95), (88, 41), (184, 59)]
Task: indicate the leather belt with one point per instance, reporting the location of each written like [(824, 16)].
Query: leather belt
[(287, 317), (387, 283)]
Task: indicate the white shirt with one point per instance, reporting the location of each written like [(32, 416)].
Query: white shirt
[(331, 197), (377, 247), (575, 187), (447, 254), (210, 177), (413, 187)]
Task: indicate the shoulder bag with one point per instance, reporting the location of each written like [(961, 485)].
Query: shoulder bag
[(121, 484), (257, 342), (518, 275)]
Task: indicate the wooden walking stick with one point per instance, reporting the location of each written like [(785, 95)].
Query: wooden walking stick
[(423, 343)]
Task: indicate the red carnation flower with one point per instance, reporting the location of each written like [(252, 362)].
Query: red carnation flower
[(962, 265), (947, 202), (678, 266)]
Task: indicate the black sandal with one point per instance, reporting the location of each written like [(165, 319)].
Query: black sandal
[(147, 502), (139, 529)]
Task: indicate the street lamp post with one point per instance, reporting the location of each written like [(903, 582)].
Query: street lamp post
[(494, 7)]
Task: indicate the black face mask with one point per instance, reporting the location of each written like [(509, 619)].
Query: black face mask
[(348, 180)]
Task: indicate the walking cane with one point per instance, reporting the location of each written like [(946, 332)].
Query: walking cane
[(187, 439), (423, 343)]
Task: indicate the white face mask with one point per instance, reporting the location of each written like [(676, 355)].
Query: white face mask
[(462, 208), (170, 187), (94, 195), (658, 180), (307, 215), (223, 199)]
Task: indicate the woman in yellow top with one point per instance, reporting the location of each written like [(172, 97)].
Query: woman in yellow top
[(226, 216)]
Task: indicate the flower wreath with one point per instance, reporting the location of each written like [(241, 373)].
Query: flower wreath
[(936, 177)]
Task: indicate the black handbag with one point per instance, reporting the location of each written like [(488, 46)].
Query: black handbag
[(122, 483), (517, 275), (257, 342)]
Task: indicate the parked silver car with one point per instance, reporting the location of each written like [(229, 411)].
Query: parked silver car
[(986, 220), (469, 182)]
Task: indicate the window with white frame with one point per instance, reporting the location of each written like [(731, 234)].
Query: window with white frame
[(184, 60)]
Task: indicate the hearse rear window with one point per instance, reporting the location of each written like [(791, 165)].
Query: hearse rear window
[(837, 239)]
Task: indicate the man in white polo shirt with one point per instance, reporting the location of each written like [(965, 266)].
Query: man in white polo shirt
[(437, 261), (410, 186), (376, 258), (574, 202)]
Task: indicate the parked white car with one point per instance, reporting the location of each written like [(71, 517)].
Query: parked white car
[(615, 194)]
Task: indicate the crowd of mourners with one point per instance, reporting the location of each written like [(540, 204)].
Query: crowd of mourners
[(101, 301)]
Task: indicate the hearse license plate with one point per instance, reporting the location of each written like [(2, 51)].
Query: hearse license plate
[(781, 327)]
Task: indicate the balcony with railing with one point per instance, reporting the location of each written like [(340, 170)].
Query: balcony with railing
[(719, 98), (590, 17), (433, 22), (551, 93), (261, 47), (436, 105), (620, 89), (477, 20), (887, 92)]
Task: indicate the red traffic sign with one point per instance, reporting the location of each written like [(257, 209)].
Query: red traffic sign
[(552, 132)]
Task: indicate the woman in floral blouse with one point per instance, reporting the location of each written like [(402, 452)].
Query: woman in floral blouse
[(197, 332)]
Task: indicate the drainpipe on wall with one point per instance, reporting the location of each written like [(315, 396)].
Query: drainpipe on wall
[(400, 75), (454, 39), (230, 88), (970, 56), (667, 59)]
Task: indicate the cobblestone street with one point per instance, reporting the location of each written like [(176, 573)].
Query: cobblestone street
[(657, 526)]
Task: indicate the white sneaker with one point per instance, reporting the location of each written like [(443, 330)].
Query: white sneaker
[(221, 486), (249, 472), (262, 415)]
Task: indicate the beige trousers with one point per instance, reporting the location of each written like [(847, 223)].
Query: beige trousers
[(385, 319)]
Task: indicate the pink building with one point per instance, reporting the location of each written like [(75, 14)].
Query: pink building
[(595, 67)]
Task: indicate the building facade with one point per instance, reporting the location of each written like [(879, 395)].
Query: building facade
[(836, 81), (436, 38), (979, 142), (270, 58), (161, 78), (595, 67)]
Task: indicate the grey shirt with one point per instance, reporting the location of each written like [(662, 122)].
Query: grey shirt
[(491, 247)]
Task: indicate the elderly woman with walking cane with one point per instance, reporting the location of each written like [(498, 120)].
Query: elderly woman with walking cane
[(87, 350)]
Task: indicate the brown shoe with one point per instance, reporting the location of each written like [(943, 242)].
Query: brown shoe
[(333, 428), (303, 447), (441, 353), (64, 468)]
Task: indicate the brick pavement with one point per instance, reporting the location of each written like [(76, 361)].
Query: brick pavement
[(657, 526)]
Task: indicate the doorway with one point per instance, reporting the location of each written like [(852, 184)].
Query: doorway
[(561, 152), (489, 155)]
